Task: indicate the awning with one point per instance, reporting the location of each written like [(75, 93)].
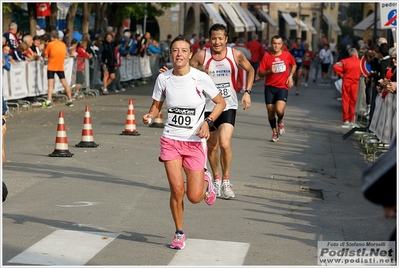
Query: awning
[(289, 20), (310, 27), (301, 24), (360, 28), (232, 16), (266, 18), (331, 21), (254, 19), (212, 13), (249, 25)]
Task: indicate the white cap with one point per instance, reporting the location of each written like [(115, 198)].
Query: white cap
[(60, 34)]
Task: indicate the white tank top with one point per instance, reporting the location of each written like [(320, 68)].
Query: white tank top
[(224, 75)]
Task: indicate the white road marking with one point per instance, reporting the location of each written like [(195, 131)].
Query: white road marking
[(200, 252), (65, 247), (79, 204)]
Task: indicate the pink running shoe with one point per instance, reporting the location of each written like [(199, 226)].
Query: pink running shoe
[(210, 195), (179, 241)]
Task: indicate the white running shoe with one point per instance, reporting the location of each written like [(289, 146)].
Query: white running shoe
[(227, 189), (218, 187)]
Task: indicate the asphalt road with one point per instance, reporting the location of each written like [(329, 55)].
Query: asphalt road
[(115, 197)]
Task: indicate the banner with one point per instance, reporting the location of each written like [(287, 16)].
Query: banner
[(43, 10), (18, 86), (35, 78), (5, 84), (62, 13), (145, 67)]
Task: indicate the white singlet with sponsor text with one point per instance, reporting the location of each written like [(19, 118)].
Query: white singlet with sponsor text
[(185, 97), (224, 75)]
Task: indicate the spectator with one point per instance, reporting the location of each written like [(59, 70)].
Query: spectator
[(81, 56), (110, 30), (72, 49), (242, 75), (20, 53), (153, 48), (307, 62), (11, 37), (343, 52), (326, 60), (116, 85), (322, 42), (196, 46), (193, 39), (65, 38), (257, 52), (56, 52), (7, 60), (39, 31), (126, 43), (36, 46), (333, 48), (346, 41), (76, 34), (349, 70), (107, 61), (240, 45), (316, 66), (169, 39), (141, 46), (28, 40), (381, 40), (207, 43)]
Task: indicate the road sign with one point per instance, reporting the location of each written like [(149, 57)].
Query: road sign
[(388, 15)]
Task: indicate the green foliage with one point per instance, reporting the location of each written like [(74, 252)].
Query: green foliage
[(346, 30), (6, 8), (139, 10), (355, 11)]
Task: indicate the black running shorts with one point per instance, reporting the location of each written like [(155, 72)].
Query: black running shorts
[(228, 116), (273, 94), (51, 74)]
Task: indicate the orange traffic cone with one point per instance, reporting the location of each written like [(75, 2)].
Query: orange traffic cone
[(130, 128), (157, 121), (87, 132), (61, 141)]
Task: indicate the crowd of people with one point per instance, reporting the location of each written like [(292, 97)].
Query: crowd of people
[(105, 48)]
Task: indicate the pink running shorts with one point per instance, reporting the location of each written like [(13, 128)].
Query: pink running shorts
[(193, 153)]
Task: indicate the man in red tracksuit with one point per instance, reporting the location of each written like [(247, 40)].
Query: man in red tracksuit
[(349, 70)]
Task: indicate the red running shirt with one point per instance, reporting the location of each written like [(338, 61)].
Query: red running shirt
[(283, 63)]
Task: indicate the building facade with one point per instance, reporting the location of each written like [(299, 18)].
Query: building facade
[(308, 20)]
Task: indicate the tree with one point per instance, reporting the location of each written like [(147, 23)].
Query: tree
[(100, 10), (32, 18), (7, 16), (70, 18), (85, 17), (53, 17), (118, 12)]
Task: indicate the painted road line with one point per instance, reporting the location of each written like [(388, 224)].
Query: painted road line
[(65, 247), (210, 253)]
